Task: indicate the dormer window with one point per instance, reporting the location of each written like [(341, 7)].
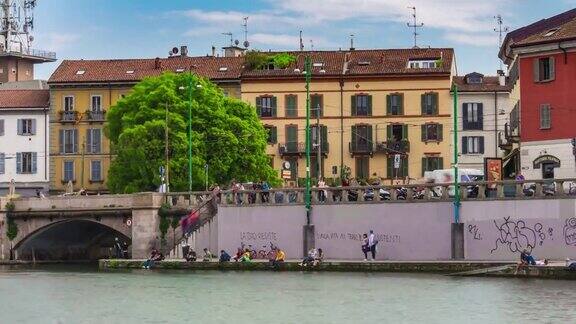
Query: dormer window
[(130, 72), (551, 32), (422, 64), (318, 64), (223, 69), (80, 72), (474, 79), (179, 70), (364, 63)]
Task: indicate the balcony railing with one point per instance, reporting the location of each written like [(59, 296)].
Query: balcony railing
[(361, 147), (33, 52), (68, 116), (300, 148), (97, 115), (394, 147)]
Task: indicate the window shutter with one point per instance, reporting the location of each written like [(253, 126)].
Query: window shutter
[(74, 141), (369, 136), (440, 163), (536, 69), (424, 165), (89, 141), (369, 103), (404, 132), (33, 132), (61, 140), (390, 166), (552, 68), (435, 102), (404, 161), (97, 141), (274, 102), (291, 110), (353, 108), (18, 163), (401, 103), (465, 124), (20, 121), (274, 135), (1, 127), (423, 104), (388, 105), (464, 144), (440, 132), (389, 132), (2, 165), (259, 106), (481, 140), (34, 165), (481, 116), (354, 136), (324, 134), (424, 137)]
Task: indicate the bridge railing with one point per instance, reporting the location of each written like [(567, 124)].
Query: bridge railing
[(469, 191)]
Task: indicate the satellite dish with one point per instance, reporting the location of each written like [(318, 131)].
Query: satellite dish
[(31, 38), (174, 50), (236, 42), (246, 44)]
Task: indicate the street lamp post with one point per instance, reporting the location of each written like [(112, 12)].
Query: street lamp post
[(308, 194), (190, 88)]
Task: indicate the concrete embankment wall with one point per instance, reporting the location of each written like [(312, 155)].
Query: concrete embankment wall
[(494, 230)]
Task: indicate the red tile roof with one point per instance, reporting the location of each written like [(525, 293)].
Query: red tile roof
[(489, 84), (10, 99), (116, 70), (565, 31)]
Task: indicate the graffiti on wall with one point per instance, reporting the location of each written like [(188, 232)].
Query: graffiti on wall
[(476, 234), (516, 236), (259, 236), (382, 238), (570, 231)]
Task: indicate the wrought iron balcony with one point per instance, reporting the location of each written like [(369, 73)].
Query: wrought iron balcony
[(394, 147), (68, 116), (97, 115), (300, 148), (360, 148)]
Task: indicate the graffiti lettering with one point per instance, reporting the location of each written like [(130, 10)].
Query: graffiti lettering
[(570, 231), (473, 229), (517, 236), (254, 236), (384, 238)]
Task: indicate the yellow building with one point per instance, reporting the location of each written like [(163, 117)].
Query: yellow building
[(81, 91), (383, 113)]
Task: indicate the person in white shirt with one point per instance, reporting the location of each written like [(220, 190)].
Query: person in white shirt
[(372, 242)]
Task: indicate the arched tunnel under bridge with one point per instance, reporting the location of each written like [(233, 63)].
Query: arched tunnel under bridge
[(71, 240)]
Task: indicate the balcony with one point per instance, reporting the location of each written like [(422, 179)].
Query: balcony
[(300, 149), (96, 115), (361, 148), (68, 116), (394, 147)]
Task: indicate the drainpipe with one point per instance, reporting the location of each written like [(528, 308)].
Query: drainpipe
[(496, 123), (341, 125), (46, 153), (565, 52)]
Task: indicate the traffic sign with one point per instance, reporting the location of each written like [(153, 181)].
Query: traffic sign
[(396, 161)]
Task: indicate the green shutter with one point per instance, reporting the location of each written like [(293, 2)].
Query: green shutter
[(389, 132), (401, 103), (324, 134), (273, 135), (404, 162), (353, 108), (423, 104), (440, 163), (388, 105), (259, 106), (440, 132), (369, 136), (404, 132), (291, 110), (273, 103), (354, 136), (369, 102), (390, 167), (435, 101), (291, 137), (424, 137), (424, 169)]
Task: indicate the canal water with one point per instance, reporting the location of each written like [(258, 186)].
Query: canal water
[(71, 294)]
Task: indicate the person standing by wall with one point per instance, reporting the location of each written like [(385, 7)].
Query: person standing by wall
[(372, 242), (365, 246)]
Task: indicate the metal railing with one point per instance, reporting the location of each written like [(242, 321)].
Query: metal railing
[(97, 115), (300, 148), (34, 52), (68, 116), (361, 147), (394, 147), (431, 192)]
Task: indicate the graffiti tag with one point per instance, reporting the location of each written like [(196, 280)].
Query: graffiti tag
[(384, 238), (254, 236), (570, 231), (473, 229), (516, 236)]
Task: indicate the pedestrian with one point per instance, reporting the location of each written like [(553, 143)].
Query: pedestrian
[(322, 193), (207, 255), (372, 242), (125, 250), (224, 257), (185, 248), (365, 246), (265, 192), (117, 248)]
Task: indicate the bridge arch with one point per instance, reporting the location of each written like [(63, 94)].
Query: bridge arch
[(71, 239)]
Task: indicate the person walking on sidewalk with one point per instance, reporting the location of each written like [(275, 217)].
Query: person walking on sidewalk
[(365, 247), (372, 242)]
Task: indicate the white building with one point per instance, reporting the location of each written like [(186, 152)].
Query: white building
[(24, 140), (483, 109)]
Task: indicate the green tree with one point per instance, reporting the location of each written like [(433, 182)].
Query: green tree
[(226, 135)]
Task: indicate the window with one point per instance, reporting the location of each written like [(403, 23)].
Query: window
[(422, 64), (266, 106), (68, 141), (432, 132), (544, 69), (545, 120), (472, 116), (130, 72), (361, 105), (96, 103), (2, 163), (551, 32), (272, 134), (291, 102), (431, 163), (401, 171), (472, 144), (293, 167), (68, 103), (397, 132), (68, 172), (26, 127), (26, 162), (474, 79), (80, 72), (96, 171), (430, 103), (316, 105), (93, 140), (395, 104), (223, 69), (1, 127), (363, 167), (361, 139)]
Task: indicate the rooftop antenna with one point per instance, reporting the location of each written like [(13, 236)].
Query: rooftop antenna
[(245, 25), (352, 42), (229, 34), (16, 23), (301, 42), (415, 25), (500, 30), (311, 45)]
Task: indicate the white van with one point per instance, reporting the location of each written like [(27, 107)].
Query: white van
[(447, 176)]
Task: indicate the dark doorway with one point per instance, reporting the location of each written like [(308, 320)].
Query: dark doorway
[(548, 170)]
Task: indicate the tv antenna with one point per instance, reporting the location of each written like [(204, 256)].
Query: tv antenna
[(245, 25), (415, 25), (16, 23), (500, 30), (229, 34), (311, 45), (301, 42)]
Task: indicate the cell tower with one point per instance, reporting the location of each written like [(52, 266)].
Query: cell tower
[(415, 25), (501, 29), (16, 26)]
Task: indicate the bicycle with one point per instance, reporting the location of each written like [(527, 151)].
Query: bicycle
[(267, 254)]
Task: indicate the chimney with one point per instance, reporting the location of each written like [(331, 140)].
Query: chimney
[(157, 63), (501, 77), (213, 51), (184, 50)]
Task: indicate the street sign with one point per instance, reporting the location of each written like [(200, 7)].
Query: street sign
[(286, 174), (286, 165), (396, 161), (162, 170)]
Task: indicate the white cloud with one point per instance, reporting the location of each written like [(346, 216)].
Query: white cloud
[(473, 39), (56, 41)]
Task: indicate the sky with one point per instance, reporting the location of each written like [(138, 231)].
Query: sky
[(107, 29)]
